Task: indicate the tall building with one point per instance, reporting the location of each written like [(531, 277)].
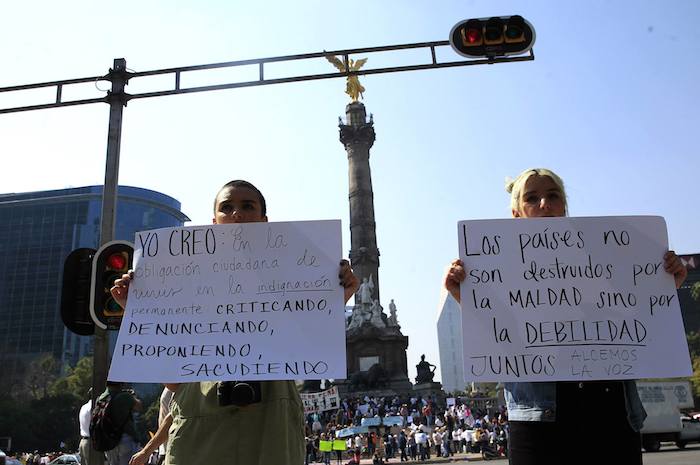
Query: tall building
[(449, 328), (37, 232)]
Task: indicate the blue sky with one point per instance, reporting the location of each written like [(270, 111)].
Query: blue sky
[(610, 103)]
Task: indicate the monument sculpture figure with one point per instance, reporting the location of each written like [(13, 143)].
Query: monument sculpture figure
[(353, 87), (424, 373), (356, 319), (365, 290), (393, 321), (376, 315)]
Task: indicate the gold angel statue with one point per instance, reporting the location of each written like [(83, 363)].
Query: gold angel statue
[(353, 88)]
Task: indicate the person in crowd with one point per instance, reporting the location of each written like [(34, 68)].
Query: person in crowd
[(386, 440), (269, 431), (326, 453), (457, 440), (377, 459), (123, 404), (84, 417), (545, 419), (338, 451), (356, 457), (403, 445), (412, 446), (437, 441), (394, 445)]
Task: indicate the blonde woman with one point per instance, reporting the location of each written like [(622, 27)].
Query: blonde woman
[(553, 422)]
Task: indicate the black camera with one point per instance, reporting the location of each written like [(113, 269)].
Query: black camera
[(240, 393)]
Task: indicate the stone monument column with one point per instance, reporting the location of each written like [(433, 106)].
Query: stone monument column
[(357, 135), (376, 348)]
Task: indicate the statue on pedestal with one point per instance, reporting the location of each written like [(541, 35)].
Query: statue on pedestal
[(376, 315), (353, 87), (357, 318), (393, 321), (365, 290), (424, 373)]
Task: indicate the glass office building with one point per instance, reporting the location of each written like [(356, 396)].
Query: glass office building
[(37, 232)]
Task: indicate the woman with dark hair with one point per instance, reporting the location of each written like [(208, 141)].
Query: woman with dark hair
[(268, 430)]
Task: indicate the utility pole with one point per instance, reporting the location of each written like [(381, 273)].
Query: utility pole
[(117, 101)]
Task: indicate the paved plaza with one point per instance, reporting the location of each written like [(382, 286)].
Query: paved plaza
[(668, 455)]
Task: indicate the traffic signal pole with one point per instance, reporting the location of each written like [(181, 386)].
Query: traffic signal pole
[(117, 101)]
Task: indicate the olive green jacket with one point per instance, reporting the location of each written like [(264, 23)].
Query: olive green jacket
[(270, 432)]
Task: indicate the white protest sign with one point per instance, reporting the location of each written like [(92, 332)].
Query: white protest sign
[(255, 301), (320, 401), (550, 299)]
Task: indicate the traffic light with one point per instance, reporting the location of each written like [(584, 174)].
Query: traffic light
[(492, 37), (111, 261), (75, 292)]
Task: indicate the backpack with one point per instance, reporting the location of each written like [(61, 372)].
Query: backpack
[(105, 433)]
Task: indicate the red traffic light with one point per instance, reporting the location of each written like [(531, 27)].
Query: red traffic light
[(471, 34), (492, 37), (111, 261), (117, 261)]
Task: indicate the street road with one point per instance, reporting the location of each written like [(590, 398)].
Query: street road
[(668, 455), (671, 455)]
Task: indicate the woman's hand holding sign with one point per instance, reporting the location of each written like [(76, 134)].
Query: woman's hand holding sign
[(120, 290), (454, 277), (674, 266)]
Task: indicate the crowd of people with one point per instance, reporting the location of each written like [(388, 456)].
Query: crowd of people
[(425, 429), (34, 458)]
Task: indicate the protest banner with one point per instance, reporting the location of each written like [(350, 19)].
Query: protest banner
[(250, 301), (317, 402), (351, 431), (325, 446), (339, 444), (551, 299)]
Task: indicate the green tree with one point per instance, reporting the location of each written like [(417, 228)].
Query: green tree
[(693, 343), (40, 375), (695, 291), (55, 420), (149, 418), (77, 381), (695, 379), (17, 421)]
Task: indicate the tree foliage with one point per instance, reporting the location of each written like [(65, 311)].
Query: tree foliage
[(695, 291), (693, 343), (695, 379), (40, 375), (694, 349), (77, 380), (149, 418), (44, 412)]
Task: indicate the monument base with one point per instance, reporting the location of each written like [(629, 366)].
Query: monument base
[(430, 390), (376, 361)]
